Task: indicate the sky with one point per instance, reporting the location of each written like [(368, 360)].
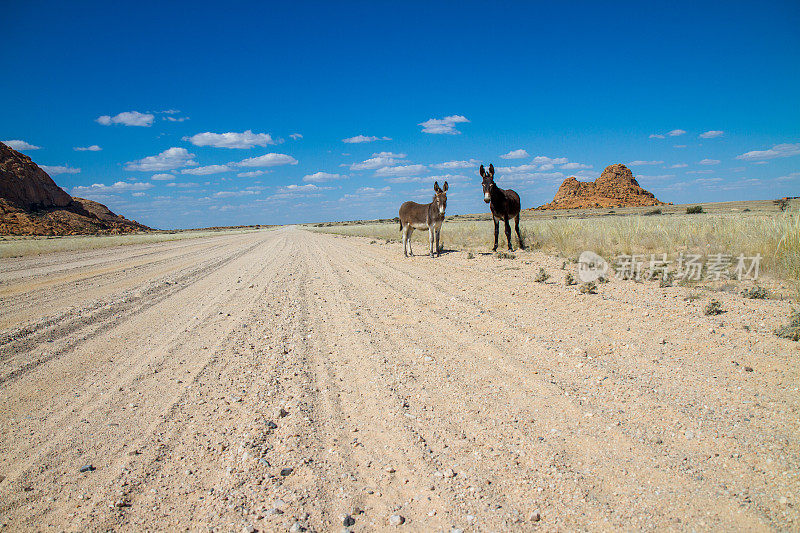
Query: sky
[(201, 114)]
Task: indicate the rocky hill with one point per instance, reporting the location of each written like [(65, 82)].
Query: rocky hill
[(616, 187), (32, 204)]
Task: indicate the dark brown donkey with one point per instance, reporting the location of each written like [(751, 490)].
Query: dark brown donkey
[(424, 216), (504, 204)]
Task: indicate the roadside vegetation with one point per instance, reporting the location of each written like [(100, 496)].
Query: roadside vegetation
[(774, 235)]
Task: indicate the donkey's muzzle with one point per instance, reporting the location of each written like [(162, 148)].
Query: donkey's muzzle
[(487, 200)]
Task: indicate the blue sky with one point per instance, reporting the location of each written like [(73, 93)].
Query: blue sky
[(699, 98)]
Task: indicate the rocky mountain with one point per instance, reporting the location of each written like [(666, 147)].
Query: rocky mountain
[(32, 204), (616, 187)]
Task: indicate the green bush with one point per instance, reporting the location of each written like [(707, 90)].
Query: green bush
[(695, 209)]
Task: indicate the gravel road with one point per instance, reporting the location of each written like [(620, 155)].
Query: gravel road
[(289, 380)]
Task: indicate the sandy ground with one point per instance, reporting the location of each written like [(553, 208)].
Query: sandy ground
[(288, 380)]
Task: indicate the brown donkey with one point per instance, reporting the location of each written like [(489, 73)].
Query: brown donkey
[(424, 216), (504, 205)]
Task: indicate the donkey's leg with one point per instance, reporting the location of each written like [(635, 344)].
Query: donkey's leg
[(408, 239), (405, 241), (508, 234), (431, 233), (496, 232), (438, 230), (516, 227)]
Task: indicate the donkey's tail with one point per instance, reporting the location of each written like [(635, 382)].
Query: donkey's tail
[(401, 225)]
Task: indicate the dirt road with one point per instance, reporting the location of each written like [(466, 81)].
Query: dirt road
[(285, 379)]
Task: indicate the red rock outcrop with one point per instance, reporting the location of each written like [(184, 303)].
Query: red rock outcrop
[(32, 204), (616, 187)]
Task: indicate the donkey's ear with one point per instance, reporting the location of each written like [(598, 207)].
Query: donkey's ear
[(483, 172), (436, 186), (491, 170), (445, 187)]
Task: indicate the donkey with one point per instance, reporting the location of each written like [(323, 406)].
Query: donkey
[(504, 204), (421, 216)]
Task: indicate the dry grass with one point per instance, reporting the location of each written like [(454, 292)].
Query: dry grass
[(774, 235), (25, 246)]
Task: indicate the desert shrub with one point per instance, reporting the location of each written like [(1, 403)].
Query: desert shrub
[(588, 288), (542, 276), (782, 203), (713, 308), (569, 279), (505, 255), (691, 297), (653, 212), (470, 256), (756, 293), (791, 330), (694, 210)]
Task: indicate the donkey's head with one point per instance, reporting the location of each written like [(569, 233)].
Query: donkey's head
[(440, 198), (488, 183)]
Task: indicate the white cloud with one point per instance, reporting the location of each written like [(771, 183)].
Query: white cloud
[(679, 165), (516, 170), (401, 170), (542, 159), (319, 177), (232, 194), (779, 150), (92, 148), (707, 181), (364, 139), (296, 136), (176, 119), (380, 159), (656, 136), (118, 187), (791, 177), (251, 174), (367, 193), (515, 154), (294, 191), (53, 170), (245, 139), (427, 179), (575, 166), (709, 162), (184, 185), (641, 163), (162, 177), (268, 160), (679, 146), (651, 177), (169, 159), (17, 144), (446, 125), (700, 172), (452, 165), (138, 194), (710, 134), (207, 170), (128, 118), (675, 133)]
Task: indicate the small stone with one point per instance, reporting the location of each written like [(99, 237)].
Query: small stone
[(390, 469), (87, 468), (448, 472), (348, 520), (272, 425), (297, 527), (273, 512), (248, 529), (396, 520), (783, 500), (748, 369), (456, 530), (280, 503), (536, 516), (282, 412), (2, 477), (286, 471)]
